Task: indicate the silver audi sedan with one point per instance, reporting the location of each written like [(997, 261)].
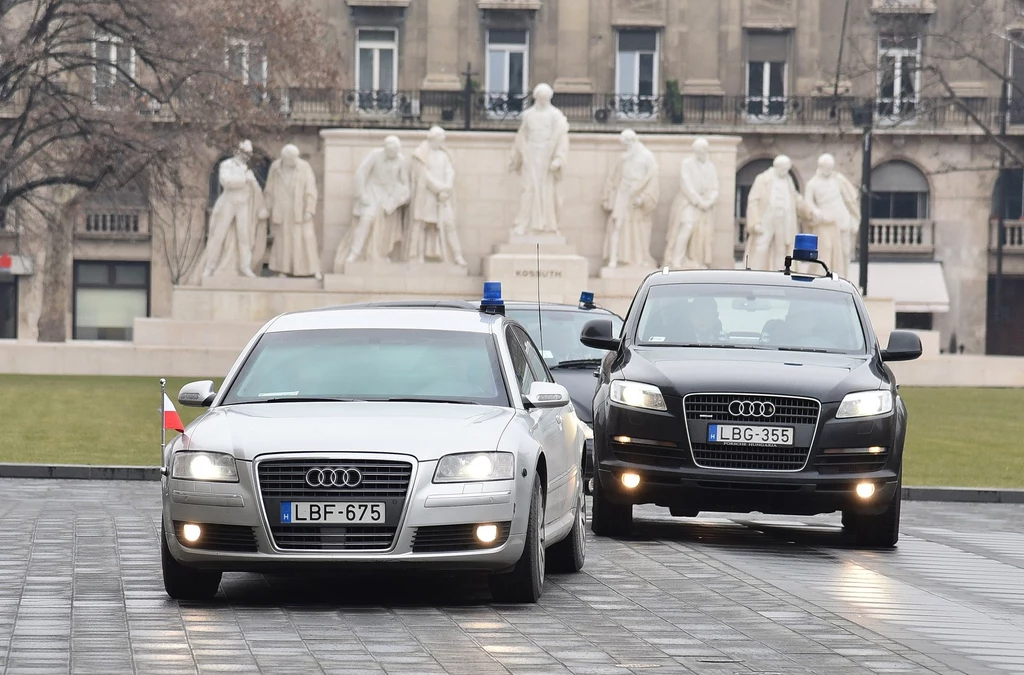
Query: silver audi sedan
[(384, 434)]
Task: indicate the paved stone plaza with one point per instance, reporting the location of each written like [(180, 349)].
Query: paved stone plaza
[(80, 591)]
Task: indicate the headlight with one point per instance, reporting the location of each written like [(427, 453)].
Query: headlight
[(206, 466), (588, 433), (638, 395), (865, 404), (475, 466)]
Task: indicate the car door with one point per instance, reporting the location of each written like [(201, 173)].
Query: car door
[(556, 426)]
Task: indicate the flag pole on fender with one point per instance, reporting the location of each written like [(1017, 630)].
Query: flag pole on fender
[(163, 417)]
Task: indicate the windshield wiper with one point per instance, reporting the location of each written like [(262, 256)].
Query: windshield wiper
[(425, 399), (577, 363), (303, 399), (816, 350), (703, 345)]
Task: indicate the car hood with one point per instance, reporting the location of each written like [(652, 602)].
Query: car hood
[(581, 384), (425, 430), (681, 371)]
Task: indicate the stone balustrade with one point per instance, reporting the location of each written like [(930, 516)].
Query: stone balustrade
[(115, 223), (1013, 236), (898, 237)]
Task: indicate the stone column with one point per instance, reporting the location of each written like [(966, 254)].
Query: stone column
[(442, 46), (574, 48)]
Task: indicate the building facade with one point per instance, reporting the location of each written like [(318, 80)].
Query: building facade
[(794, 77)]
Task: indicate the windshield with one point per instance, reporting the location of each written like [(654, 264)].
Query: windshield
[(562, 327), (752, 316), (372, 364)]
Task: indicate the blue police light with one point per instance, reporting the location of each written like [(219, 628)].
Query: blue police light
[(492, 303), (587, 300), (805, 247)]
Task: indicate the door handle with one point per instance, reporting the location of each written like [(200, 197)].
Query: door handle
[(558, 421)]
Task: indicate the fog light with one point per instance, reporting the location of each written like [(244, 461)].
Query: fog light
[(191, 532), (487, 533), (865, 490), (630, 480)]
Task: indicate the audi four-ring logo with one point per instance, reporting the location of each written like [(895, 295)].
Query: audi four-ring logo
[(751, 408), (348, 477)]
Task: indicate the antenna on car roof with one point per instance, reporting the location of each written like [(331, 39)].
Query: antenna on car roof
[(540, 321)]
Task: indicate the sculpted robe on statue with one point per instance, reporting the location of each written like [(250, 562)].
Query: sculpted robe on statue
[(382, 189), (237, 237), (774, 209), (630, 196), (432, 234), (691, 226), (837, 201), (539, 155), (291, 197)]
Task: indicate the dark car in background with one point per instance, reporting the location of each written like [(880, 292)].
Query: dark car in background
[(555, 328)]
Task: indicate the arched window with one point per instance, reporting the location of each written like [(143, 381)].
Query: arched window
[(898, 191), (745, 180)]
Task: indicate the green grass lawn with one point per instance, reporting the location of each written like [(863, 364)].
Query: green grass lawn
[(966, 437)]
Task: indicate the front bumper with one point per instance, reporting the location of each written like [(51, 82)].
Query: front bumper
[(426, 505)]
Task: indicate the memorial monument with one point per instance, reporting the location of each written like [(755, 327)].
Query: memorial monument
[(432, 234), (238, 235), (774, 209), (630, 196), (837, 200), (291, 198), (691, 221), (539, 156)]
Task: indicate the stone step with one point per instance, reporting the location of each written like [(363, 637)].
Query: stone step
[(185, 333)]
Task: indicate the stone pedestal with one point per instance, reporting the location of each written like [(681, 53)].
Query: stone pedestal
[(408, 280), (234, 282), (621, 282), (555, 268)]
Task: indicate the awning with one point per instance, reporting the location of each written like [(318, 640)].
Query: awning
[(16, 265), (914, 286)]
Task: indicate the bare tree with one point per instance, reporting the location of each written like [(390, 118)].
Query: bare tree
[(103, 93), (176, 216)]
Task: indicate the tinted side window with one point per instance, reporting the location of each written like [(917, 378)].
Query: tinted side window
[(540, 370), (520, 365)]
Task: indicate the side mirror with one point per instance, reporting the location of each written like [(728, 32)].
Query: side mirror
[(904, 345), (597, 334), (197, 394), (546, 395)]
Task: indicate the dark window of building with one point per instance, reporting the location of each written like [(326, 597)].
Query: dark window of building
[(914, 320), (1015, 87), (1014, 207), (898, 191), (767, 54), (109, 296), (8, 308)]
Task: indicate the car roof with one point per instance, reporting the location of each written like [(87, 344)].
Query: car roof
[(758, 277), (440, 315)]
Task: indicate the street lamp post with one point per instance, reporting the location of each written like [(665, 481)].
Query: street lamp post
[(863, 117)]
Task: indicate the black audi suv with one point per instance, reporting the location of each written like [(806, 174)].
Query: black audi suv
[(745, 391)]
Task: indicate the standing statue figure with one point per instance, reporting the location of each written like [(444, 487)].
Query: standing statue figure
[(432, 232), (291, 197), (382, 189), (238, 209), (837, 200), (539, 155), (631, 195), (774, 209), (691, 225)]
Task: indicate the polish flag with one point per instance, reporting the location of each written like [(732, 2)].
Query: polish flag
[(171, 418)]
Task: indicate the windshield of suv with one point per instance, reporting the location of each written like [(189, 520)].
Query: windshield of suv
[(561, 339), (372, 364), (752, 316)]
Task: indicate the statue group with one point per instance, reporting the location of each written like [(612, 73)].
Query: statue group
[(405, 207)]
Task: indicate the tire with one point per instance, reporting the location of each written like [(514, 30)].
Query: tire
[(525, 583), (186, 583), (877, 531), (608, 519), (568, 555)]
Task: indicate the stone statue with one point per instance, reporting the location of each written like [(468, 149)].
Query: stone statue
[(539, 155), (239, 210), (382, 189), (691, 225), (630, 196), (837, 200), (774, 209), (432, 232), (291, 197)]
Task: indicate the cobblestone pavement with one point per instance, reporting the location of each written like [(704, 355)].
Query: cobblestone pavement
[(80, 591)]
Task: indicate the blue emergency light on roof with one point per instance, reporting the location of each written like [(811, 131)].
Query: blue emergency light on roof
[(587, 300), (805, 247), (492, 303)]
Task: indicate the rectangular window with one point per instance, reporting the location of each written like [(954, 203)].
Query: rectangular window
[(109, 296), (507, 79), (767, 54), (113, 70), (636, 73), (8, 308), (246, 61), (1015, 87), (899, 58), (376, 68)]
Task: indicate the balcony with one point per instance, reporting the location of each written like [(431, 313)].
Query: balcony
[(1013, 236), (114, 224), (531, 5), (895, 238), (903, 6)]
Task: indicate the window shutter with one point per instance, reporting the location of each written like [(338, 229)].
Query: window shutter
[(763, 46)]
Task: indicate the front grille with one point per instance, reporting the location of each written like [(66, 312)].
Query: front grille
[(715, 408), (851, 463), (751, 458), (442, 538), (286, 479), (332, 538), (215, 537), (649, 455)]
